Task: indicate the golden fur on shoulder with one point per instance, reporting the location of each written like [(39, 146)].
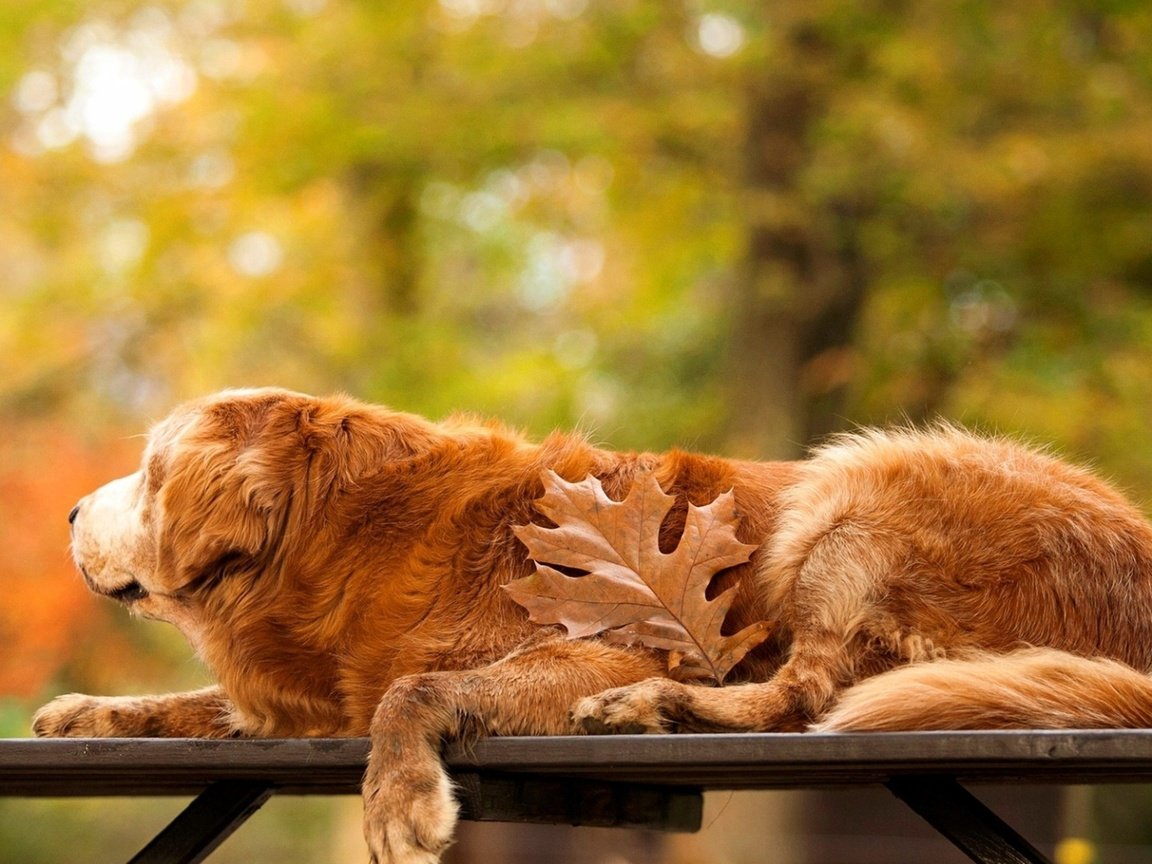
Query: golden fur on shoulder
[(339, 567)]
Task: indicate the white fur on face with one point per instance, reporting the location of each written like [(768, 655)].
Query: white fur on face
[(111, 543)]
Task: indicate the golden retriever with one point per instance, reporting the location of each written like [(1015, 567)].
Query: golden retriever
[(339, 566)]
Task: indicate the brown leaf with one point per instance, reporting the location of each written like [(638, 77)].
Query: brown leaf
[(632, 592)]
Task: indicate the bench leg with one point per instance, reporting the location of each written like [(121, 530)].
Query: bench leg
[(962, 818), (205, 823), (489, 798)]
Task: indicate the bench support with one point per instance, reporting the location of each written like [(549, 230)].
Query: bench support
[(941, 801), (961, 817), (591, 803), (205, 823), (226, 804)]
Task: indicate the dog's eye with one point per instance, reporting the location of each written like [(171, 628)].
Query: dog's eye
[(130, 592)]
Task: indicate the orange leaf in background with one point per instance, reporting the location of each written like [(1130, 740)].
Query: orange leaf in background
[(46, 610), (632, 592)]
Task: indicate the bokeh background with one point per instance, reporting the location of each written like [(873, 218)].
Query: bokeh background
[(716, 224)]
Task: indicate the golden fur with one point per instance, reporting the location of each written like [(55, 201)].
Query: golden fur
[(338, 566)]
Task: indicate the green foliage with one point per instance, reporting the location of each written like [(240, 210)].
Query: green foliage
[(539, 210)]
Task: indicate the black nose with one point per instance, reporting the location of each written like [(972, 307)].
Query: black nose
[(72, 515)]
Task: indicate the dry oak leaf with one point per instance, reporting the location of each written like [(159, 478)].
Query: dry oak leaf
[(631, 591)]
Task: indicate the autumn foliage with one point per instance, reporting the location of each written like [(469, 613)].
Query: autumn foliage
[(44, 470)]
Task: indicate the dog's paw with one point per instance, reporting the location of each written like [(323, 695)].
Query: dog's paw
[(74, 716), (409, 810), (636, 709)]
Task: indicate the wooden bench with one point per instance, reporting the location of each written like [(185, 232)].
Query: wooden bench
[(636, 781)]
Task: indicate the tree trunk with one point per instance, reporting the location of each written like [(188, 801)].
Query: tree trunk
[(387, 197), (803, 279)]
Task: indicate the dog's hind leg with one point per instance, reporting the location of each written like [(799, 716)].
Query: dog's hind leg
[(801, 690), (837, 616), (409, 811)]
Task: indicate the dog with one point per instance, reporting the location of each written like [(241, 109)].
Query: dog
[(339, 565)]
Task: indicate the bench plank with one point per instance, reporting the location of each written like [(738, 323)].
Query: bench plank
[(326, 766)]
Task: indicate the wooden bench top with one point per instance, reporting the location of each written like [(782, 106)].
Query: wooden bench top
[(140, 766)]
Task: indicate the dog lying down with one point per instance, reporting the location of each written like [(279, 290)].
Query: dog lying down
[(339, 567)]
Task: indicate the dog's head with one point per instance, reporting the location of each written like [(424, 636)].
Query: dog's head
[(223, 481)]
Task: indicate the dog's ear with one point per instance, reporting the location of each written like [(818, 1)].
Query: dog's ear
[(253, 463), (223, 503)]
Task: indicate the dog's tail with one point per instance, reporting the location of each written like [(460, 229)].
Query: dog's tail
[(1035, 688)]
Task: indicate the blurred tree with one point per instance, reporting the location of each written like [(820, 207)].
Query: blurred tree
[(803, 284), (537, 208)]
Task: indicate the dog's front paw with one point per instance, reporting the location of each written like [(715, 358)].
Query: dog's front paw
[(409, 810), (74, 716), (636, 709)]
